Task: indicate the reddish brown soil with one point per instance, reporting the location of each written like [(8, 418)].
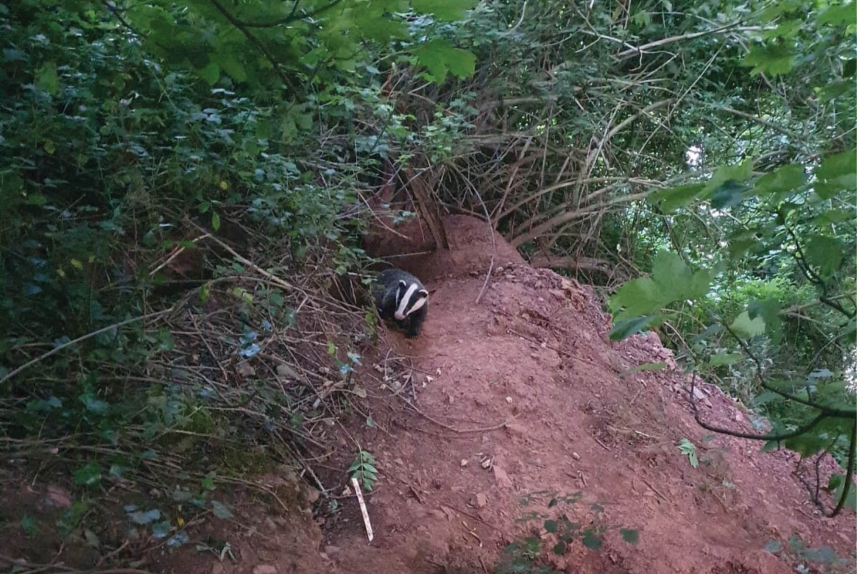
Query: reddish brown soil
[(528, 379)]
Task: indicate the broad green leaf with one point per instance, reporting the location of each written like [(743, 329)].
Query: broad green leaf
[(638, 297), (215, 220), (849, 68), (630, 536), (835, 216), (230, 64), (444, 9), (842, 15), (161, 529), (439, 57), (746, 328), (560, 548), (624, 329), (88, 475), (824, 253), (836, 173), (47, 79), (736, 173), (210, 73), (771, 59), (839, 486), (91, 538), (673, 198), (722, 359), (727, 195), (786, 178), (769, 310)]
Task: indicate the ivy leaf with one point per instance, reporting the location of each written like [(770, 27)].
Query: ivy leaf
[(770, 59), (559, 548), (591, 540), (140, 517), (439, 57), (88, 475), (824, 253), (29, 525), (747, 328), (444, 9), (215, 220), (630, 536), (161, 529), (47, 79), (551, 526), (220, 510)]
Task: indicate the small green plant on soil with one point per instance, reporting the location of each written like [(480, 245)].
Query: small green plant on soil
[(799, 555), (558, 528), (363, 469), (688, 449)]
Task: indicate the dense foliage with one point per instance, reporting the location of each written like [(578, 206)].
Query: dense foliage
[(144, 146)]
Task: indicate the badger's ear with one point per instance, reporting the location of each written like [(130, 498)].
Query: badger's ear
[(422, 293), (403, 284)]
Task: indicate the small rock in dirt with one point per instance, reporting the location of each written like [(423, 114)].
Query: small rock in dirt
[(331, 550), (217, 568), (487, 462), (738, 416), (245, 369), (312, 494), (265, 569), (556, 293), (481, 500), (463, 462), (698, 394), (575, 456), (502, 478), (439, 514), (509, 400)]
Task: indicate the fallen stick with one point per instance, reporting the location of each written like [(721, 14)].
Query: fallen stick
[(363, 509)]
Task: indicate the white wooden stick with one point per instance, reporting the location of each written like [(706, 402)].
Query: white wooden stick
[(363, 509)]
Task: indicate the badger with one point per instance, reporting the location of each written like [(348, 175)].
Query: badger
[(400, 297)]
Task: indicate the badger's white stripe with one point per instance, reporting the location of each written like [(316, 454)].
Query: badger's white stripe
[(406, 298), (418, 304)]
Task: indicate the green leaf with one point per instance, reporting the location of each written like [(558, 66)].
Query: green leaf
[(444, 9), (824, 253), (770, 59), (630, 536), (688, 449), (141, 518), (560, 548), (551, 526), (91, 538), (769, 310), (220, 510), (439, 57), (230, 64), (215, 220), (624, 329), (842, 15), (88, 475), (722, 359), (747, 328), (591, 540), (210, 73), (836, 173), (727, 195), (47, 79), (849, 68), (161, 529), (786, 178), (29, 525), (851, 500), (676, 197)]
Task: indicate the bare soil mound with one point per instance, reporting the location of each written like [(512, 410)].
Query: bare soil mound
[(517, 417)]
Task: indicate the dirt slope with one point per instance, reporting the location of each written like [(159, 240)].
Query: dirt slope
[(521, 399)]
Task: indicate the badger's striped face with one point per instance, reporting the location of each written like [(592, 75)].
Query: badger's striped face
[(409, 298)]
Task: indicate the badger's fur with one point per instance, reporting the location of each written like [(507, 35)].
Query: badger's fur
[(401, 298)]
